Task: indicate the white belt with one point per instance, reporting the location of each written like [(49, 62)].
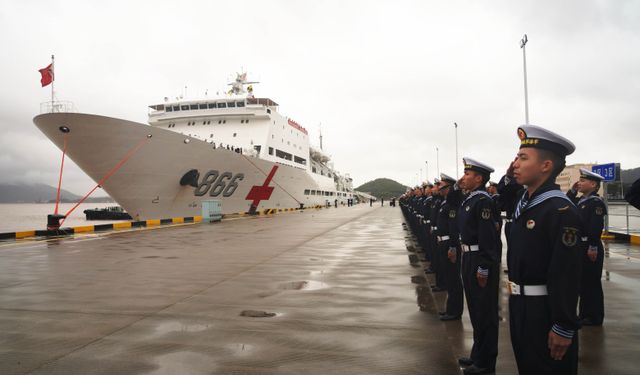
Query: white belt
[(526, 290), (442, 238), (467, 248)]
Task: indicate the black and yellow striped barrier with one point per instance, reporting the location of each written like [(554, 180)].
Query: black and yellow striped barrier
[(98, 228), (136, 224)]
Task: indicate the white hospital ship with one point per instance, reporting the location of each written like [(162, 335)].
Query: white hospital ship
[(235, 148)]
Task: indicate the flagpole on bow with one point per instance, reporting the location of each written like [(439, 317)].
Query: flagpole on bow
[(52, 82)]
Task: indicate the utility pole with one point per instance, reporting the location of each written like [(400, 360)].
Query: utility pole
[(455, 124), (523, 43)]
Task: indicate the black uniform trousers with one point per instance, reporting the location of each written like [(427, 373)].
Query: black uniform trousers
[(437, 264), (455, 293), (530, 325), (483, 311), (591, 295)]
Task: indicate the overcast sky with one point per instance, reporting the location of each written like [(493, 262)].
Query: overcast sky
[(386, 79)]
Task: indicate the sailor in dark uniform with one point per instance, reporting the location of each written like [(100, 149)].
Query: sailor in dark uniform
[(480, 267), (544, 258), (426, 220), (449, 247), (437, 261), (592, 210), (497, 214)]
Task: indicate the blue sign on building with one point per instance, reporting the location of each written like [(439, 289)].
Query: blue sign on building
[(608, 171)]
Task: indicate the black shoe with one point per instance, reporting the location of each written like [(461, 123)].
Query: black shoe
[(465, 361), (447, 317), (438, 289), (473, 369), (429, 270), (441, 313)]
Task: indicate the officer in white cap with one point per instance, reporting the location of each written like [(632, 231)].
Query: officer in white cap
[(544, 258), (592, 210), (480, 267)]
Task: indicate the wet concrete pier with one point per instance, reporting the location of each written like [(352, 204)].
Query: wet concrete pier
[(318, 292)]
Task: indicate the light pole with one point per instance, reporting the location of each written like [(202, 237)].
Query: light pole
[(438, 161), (456, 126), (426, 171), (523, 43)]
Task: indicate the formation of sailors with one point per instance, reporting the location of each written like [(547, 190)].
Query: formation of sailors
[(554, 253)]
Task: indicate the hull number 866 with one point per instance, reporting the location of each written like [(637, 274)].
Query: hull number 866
[(216, 183)]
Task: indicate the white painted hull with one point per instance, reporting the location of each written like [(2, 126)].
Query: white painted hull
[(148, 186)]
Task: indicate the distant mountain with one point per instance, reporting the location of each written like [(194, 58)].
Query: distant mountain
[(383, 188), (40, 193), (630, 175)]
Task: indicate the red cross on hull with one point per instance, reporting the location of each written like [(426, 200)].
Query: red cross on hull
[(261, 193)]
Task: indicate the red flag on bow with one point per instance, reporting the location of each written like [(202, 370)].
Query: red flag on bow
[(47, 75)]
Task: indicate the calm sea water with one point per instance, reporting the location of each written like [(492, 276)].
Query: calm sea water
[(30, 216)]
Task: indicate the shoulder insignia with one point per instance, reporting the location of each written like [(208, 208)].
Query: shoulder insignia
[(599, 211), (486, 213), (569, 236), (452, 214), (563, 208)]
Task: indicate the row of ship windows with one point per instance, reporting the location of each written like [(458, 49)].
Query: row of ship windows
[(324, 193), (188, 107), (208, 122), (287, 156)]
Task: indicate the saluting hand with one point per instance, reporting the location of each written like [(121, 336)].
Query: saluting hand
[(558, 345), (510, 169), (574, 187)]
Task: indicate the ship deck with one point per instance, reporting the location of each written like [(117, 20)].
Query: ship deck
[(319, 291)]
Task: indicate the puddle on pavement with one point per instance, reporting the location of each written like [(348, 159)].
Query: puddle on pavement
[(303, 285), (423, 294), (168, 327), (257, 314)]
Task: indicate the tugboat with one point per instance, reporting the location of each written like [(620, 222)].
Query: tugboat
[(107, 213)]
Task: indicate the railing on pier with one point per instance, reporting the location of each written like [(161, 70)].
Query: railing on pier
[(623, 218)]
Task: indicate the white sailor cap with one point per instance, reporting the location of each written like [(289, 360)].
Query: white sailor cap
[(493, 183), (436, 181), (477, 166), (446, 178), (585, 173), (538, 137)]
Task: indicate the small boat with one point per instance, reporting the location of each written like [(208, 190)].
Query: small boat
[(107, 213)]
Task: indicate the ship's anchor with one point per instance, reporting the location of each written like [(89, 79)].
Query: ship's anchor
[(190, 178)]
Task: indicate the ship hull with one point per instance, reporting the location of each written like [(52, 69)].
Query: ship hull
[(147, 165)]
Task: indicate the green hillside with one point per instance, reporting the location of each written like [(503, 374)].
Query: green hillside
[(383, 188)]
